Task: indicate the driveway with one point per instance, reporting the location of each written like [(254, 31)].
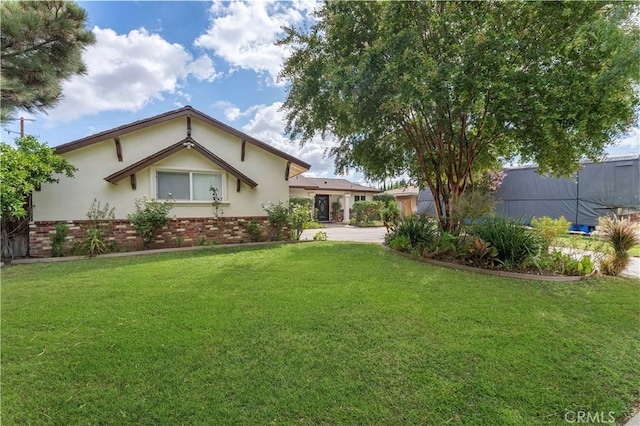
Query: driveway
[(339, 232)]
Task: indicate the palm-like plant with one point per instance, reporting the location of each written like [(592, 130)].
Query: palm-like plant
[(621, 235)]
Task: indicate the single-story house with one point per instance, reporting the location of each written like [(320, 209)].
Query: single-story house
[(177, 155), (327, 191), (407, 199)]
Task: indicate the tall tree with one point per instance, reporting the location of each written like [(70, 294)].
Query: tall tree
[(41, 46), (445, 90), (23, 168)]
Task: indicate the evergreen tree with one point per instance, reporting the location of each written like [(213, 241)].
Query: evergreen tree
[(41, 46)]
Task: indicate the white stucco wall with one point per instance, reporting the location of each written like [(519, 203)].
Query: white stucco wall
[(71, 198)]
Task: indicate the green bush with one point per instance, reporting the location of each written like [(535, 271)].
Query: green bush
[(401, 243), (367, 211), (566, 264), (57, 240), (420, 230), (278, 217), (385, 198), (335, 211), (299, 216), (513, 241), (548, 230), (482, 254), (390, 214), (254, 230), (320, 236), (150, 215)]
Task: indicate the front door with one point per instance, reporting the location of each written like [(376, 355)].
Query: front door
[(322, 207)]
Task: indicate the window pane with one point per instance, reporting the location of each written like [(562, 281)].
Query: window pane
[(202, 184), (173, 185)]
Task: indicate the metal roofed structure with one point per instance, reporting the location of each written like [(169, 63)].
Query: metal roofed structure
[(597, 189)]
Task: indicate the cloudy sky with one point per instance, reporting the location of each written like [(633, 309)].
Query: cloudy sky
[(219, 57)]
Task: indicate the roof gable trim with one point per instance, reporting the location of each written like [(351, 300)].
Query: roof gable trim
[(187, 143)]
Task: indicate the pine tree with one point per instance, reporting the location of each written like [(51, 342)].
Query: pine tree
[(41, 46)]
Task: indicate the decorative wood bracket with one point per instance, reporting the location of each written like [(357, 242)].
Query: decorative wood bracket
[(134, 183), (286, 171), (238, 185), (118, 148), (188, 126), (244, 145)]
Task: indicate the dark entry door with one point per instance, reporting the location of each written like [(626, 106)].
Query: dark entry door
[(322, 207)]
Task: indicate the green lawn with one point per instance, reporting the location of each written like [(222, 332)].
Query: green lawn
[(316, 333), (588, 243)]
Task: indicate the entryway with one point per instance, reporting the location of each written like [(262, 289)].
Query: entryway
[(322, 207)]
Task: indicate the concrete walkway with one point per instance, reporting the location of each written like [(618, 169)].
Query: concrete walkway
[(339, 232)]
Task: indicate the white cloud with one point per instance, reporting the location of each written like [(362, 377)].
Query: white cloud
[(232, 112), (202, 69), (126, 72), (268, 124), (243, 33)]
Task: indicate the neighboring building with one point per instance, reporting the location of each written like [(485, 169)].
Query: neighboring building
[(180, 155), (597, 189), (326, 191), (407, 199)]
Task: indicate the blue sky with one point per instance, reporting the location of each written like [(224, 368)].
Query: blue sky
[(219, 57)]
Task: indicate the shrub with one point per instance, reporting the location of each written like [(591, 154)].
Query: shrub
[(418, 229), (621, 235), (100, 220), (513, 241), (390, 214), (299, 215), (446, 242), (93, 243), (401, 243), (482, 254), (566, 264), (57, 240), (301, 201), (150, 215), (278, 216), (548, 230), (335, 211), (367, 211), (255, 233), (385, 198), (320, 236)]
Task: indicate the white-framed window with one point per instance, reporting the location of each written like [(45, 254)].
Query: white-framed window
[(360, 198), (188, 186)]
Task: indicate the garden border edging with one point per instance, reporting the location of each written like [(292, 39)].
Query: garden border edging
[(504, 274)]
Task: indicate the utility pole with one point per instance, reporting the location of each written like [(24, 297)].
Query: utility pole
[(22, 127)]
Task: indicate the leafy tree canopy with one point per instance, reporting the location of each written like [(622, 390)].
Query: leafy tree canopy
[(22, 169), (446, 90), (41, 45)]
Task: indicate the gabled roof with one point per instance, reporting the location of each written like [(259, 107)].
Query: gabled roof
[(186, 143), (186, 111), (407, 190), (328, 184)]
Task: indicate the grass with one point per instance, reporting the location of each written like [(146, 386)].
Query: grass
[(588, 243), (316, 333)]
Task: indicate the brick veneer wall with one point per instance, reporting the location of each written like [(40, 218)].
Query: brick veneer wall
[(182, 232)]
